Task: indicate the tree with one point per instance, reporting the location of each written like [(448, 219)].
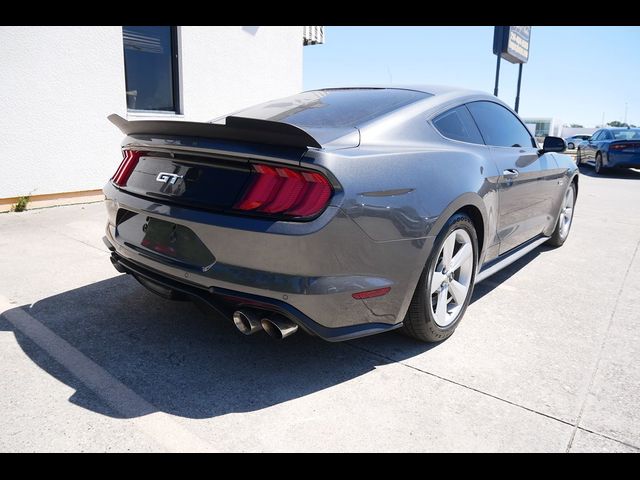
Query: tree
[(617, 123), (576, 125)]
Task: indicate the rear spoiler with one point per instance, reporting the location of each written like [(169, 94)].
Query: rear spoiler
[(236, 128)]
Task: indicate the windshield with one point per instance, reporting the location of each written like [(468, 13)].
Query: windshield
[(347, 107), (627, 134)]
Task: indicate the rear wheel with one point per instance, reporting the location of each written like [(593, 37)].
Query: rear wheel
[(565, 218), (446, 284), (570, 146), (599, 168)]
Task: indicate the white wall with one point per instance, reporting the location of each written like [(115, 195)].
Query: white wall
[(58, 84), (228, 68), (568, 131)]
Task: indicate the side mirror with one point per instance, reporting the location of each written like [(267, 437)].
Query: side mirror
[(553, 144)]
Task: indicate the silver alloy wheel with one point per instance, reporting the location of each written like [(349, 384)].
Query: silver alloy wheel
[(598, 163), (566, 214), (451, 277)]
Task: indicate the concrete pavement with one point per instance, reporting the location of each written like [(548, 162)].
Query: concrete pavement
[(546, 358)]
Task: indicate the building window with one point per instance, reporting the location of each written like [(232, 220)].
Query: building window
[(151, 68)]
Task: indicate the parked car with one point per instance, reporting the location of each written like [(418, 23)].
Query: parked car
[(574, 140), (611, 148), (342, 212)]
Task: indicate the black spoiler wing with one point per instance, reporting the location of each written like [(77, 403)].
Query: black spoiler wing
[(237, 128)]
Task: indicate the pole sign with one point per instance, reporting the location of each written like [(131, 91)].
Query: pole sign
[(512, 43)]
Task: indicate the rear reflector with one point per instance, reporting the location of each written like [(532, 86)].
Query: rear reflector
[(378, 292), (285, 191), (127, 166)]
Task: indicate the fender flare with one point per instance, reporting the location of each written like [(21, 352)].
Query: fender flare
[(464, 200)]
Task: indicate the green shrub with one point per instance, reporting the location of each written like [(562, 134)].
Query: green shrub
[(21, 205)]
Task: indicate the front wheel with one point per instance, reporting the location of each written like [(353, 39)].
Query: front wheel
[(570, 146), (561, 233), (446, 283)]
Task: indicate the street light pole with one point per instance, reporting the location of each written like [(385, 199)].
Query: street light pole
[(625, 112)]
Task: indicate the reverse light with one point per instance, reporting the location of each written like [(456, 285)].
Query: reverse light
[(127, 166), (285, 191)]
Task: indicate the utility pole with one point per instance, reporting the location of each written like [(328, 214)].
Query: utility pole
[(602, 124)]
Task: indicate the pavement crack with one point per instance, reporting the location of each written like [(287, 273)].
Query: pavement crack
[(610, 438), (468, 387), (70, 237), (602, 344)]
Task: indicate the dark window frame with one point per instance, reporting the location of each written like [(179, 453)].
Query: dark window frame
[(175, 76)]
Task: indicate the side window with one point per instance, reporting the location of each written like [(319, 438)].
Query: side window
[(499, 126), (596, 136), (605, 135), (457, 124)]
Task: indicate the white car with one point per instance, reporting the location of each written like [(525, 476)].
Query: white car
[(574, 140)]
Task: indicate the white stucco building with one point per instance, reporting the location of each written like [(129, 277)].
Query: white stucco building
[(58, 84)]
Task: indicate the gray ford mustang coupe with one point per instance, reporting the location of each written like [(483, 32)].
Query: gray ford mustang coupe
[(342, 212)]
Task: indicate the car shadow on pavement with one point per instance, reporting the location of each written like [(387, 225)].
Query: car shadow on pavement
[(182, 361), (189, 364), (622, 173), (495, 280)]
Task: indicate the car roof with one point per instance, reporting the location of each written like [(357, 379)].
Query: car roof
[(432, 88)]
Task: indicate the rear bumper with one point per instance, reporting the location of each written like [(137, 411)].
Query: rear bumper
[(623, 160), (223, 301), (306, 271)]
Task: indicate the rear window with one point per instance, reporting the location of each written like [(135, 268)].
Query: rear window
[(629, 134), (334, 107)]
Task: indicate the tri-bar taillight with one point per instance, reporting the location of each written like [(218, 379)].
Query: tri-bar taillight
[(285, 191), (624, 146), (127, 166)]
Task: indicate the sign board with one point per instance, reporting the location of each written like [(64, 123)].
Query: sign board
[(512, 43)]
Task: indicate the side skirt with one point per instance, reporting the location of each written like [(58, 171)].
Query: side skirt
[(508, 258)]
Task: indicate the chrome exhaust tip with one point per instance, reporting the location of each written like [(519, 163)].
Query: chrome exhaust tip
[(247, 321), (278, 327)]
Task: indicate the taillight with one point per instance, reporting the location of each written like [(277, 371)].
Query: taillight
[(285, 191), (620, 146), (127, 166)]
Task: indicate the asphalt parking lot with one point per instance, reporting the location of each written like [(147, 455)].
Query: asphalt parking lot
[(546, 359)]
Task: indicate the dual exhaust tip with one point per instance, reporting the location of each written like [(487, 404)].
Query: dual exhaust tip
[(251, 321)]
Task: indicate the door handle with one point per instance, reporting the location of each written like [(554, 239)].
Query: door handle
[(510, 173)]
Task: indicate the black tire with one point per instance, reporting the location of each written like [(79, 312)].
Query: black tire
[(571, 146), (578, 158), (419, 321), (599, 167), (556, 239)]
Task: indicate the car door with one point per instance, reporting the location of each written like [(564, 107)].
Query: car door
[(524, 195), (602, 145), (588, 151)]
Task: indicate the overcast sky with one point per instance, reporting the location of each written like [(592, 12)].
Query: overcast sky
[(574, 73)]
